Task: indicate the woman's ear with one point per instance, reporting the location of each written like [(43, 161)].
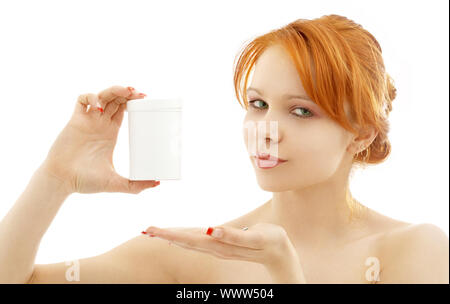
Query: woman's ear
[(363, 140)]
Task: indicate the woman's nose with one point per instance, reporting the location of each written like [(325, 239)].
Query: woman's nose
[(269, 132), (262, 133)]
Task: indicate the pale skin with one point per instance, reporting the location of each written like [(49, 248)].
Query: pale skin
[(301, 235)]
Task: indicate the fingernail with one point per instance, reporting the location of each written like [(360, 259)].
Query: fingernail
[(99, 107), (145, 232), (157, 183), (142, 94), (217, 233), (209, 231), (151, 230)]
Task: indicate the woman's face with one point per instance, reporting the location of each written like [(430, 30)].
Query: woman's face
[(313, 145)]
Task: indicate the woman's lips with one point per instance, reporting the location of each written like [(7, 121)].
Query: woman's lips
[(266, 161)]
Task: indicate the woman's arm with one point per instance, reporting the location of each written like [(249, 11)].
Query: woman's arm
[(137, 261), (21, 230), (80, 160)]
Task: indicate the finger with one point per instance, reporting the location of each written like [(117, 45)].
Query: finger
[(122, 184), (112, 93), (238, 237), (113, 97), (214, 253), (187, 229), (112, 107), (117, 104), (220, 250), (88, 103), (117, 117), (204, 243), (82, 104)]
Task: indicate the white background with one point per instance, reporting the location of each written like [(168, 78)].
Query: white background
[(53, 51)]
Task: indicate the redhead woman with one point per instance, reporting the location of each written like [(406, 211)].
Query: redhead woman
[(321, 89)]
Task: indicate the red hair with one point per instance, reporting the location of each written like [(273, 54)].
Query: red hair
[(337, 60)]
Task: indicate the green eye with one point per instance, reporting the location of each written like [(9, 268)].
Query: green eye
[(253, 102), (303, 112)]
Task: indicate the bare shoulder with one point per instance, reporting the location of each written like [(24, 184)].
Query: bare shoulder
[(414, 253)]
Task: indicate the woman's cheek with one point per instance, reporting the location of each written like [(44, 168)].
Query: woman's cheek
[(314, 153)]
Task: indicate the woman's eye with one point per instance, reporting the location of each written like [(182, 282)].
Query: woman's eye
[(302, 112), (253, 102)]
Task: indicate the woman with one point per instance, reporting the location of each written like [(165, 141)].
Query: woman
[(311, 231)]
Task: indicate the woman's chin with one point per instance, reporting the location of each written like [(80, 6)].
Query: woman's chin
[(271, 184)]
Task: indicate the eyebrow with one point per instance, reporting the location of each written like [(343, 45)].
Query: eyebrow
[(287, 96)]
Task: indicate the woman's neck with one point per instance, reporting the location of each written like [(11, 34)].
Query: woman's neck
[(317, 214)]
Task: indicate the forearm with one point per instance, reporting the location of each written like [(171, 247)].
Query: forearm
[(22, 228)]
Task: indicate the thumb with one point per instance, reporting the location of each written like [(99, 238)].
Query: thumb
[(122, 184)]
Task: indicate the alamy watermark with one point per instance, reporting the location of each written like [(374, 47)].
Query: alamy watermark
[(257, 138), (373, 272), (73, 272)]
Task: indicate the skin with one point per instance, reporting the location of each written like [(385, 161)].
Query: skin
[(301, 235)]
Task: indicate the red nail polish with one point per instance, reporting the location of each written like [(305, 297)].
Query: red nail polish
[(209, 231), (144, 232), (100, 109), (152, 235)]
